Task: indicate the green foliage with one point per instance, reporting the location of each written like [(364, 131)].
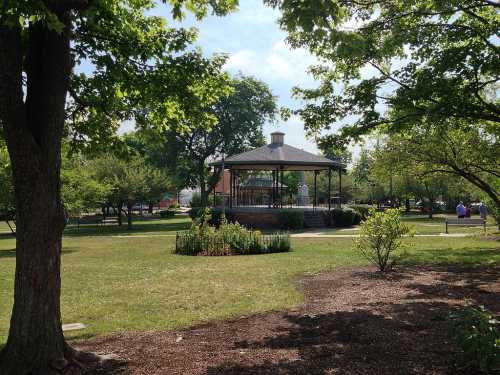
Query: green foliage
[(291, 219), (362, 209), (381, 238), (7, 203), (81, 190), (216, 217), (237, 126), (477, 334), (228, 239), (132, 180), (494, 211), (167, 213), (278, 243), (341, 217), (434, 158), (195, 200), (429, 60)]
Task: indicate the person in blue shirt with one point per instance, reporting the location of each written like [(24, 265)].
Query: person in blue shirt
[(461, 210)]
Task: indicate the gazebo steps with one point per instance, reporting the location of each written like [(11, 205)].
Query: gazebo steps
[(314, 219)]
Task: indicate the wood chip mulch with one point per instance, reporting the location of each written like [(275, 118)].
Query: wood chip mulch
[(354, 321)]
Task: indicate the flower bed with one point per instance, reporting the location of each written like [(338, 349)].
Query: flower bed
[(229, 239)]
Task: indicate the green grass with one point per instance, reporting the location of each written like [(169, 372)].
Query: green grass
[(116, 284), (424, 225)]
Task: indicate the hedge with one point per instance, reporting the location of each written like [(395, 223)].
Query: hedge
[(341, 217)]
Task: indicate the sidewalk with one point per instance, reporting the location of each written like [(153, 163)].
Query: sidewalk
[(321, 235)]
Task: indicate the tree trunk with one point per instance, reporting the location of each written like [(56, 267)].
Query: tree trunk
[(129, 215), (203, 191), (33, 129), (150, 208), (119, 217)]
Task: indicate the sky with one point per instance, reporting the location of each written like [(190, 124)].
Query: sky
[(256, 46)]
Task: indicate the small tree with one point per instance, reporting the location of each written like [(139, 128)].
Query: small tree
[(381, 237), (81, 191)]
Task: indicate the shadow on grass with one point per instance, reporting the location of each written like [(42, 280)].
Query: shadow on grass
[(138, 228), (11, 253), (465, 256)]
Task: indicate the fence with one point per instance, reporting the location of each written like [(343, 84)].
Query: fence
[(189, 243)]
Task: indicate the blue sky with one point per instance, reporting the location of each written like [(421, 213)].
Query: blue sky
[(256, 46)]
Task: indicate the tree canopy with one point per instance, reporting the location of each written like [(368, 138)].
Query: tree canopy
[(428, 60), (239, 119), (142, 70)]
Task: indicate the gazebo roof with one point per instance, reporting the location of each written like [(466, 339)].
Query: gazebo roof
[(278, 154)]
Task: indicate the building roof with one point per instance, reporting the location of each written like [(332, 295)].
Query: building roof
[(276, 155)]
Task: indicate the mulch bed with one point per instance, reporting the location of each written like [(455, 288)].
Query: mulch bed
[(354, 321)]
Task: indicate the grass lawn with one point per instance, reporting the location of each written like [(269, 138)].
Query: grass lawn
[(424, 225), (113, 283)]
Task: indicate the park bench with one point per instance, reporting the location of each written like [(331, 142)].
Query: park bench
[(465, 222)]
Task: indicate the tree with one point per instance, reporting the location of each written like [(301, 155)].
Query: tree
[(240, 117), (132, 181), (6, 188), (80, 189), (131, 52), (433, 60), (456, 149)]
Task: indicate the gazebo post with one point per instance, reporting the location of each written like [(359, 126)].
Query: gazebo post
[(236, 198), (273, 190), (329, 189), (230, 188), (340, 187), (278, 195), (315, 201), (281, 187)]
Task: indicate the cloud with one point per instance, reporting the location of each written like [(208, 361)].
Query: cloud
[(242, 60), (276, 63)]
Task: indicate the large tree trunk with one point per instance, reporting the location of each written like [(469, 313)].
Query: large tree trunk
[(33, 130)]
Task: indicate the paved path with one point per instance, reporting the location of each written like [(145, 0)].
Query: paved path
[(301, 235), (322, 235)]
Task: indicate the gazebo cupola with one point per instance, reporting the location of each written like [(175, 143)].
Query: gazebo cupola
[(277, 138)]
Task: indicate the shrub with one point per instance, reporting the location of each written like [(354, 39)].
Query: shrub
[(229, 239), (216, 218), (362, 209), (194, 212), (215, 215), (291, 219), (174, 206), (381, 237), (478, 335), (167, 213), (339, 217), (195, 200), (494, 211), (279, 243)]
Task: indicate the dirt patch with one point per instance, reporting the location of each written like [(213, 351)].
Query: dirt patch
[(354, 321)]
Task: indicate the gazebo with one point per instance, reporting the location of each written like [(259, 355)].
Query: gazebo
[(276, 158)]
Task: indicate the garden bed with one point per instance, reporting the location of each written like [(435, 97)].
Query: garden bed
[(354, 321)]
